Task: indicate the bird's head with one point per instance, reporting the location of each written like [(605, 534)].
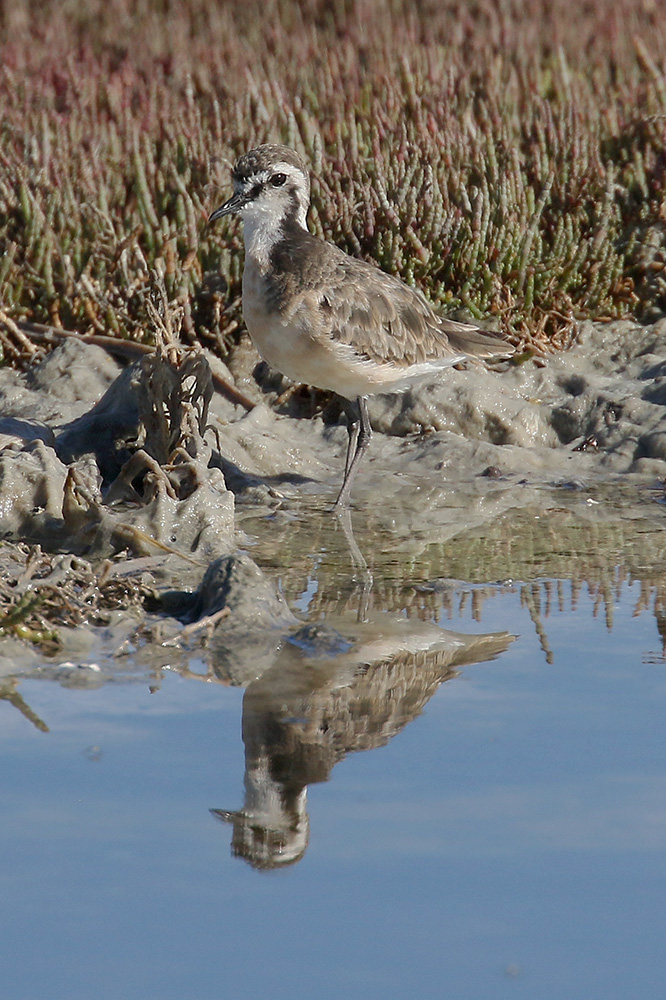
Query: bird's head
[(271, 186)]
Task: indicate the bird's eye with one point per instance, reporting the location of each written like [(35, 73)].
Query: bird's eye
[(277, 180)]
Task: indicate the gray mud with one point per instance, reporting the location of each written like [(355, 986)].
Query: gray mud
[(149, 523), (595, 412)]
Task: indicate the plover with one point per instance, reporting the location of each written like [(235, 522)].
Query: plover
[(324, 318)]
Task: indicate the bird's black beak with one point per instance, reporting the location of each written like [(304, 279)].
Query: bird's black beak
[(235, 203)]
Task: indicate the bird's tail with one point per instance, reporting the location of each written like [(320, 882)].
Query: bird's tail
[(474, 342)]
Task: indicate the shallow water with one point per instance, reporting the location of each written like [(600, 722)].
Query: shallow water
[(449, 827)]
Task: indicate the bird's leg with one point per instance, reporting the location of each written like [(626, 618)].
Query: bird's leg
[(362, 572), (353, 431), (360, 432)]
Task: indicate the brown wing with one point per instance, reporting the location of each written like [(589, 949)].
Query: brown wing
[(380, 316), (369, 310)]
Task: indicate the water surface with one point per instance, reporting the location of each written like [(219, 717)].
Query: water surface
[(405, 821)]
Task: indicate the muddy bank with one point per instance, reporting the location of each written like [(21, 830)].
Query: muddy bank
[(140, 487), (595, 411)]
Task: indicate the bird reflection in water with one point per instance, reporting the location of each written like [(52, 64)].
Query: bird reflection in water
[(327, 695)]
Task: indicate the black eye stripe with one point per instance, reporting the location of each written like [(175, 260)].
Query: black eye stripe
[(277, 180)]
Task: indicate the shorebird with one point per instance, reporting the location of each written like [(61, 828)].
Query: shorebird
[(324, 318)]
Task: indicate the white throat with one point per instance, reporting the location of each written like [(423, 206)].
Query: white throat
[(260, 235), (263, 227)]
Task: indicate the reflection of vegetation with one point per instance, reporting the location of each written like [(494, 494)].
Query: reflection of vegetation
[(9, 693), (597, 555), (550, 556), (506, 157)]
